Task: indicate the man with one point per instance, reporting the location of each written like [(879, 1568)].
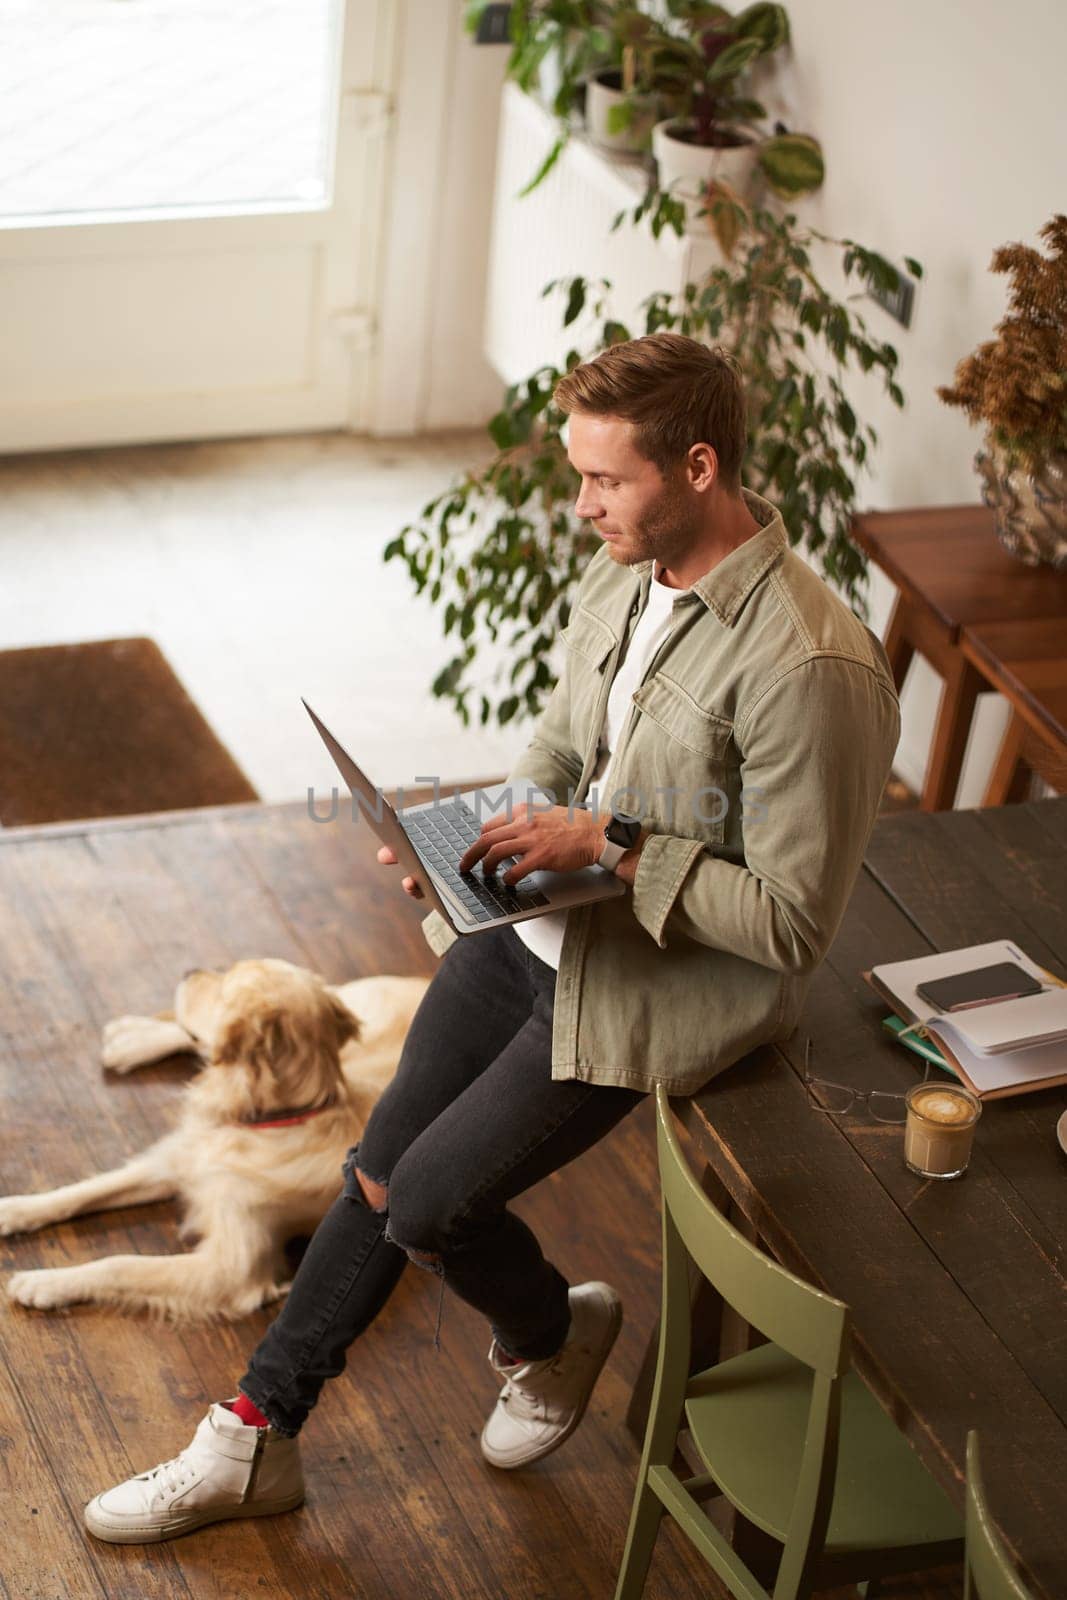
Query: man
[(719, 695)]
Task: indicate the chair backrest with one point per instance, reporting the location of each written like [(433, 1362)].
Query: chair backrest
[(810, 1325), (989, 1573)]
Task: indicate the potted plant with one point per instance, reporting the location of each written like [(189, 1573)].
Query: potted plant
[(635, 88), (555, 44), (501, 550), (1016, 385), (716, 134)]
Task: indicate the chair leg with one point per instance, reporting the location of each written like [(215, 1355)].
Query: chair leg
[(644, 1525), (665, 1412), (898, 646), (706, 1314), (1010, 777), (960, 692)]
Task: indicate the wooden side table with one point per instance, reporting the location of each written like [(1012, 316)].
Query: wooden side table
[(1027, 663), (952, 573)]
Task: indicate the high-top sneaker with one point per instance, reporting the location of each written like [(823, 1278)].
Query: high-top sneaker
[(542, 1402), (229, 1470)]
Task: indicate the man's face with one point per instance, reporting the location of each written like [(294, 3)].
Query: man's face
[(636, 510)]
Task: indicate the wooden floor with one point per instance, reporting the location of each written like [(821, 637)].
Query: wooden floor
[(157, 540), (98, 920)]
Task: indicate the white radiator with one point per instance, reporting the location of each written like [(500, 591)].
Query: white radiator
[(563, 229)]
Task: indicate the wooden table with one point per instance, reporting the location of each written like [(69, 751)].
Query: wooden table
[(952, 573), (1027, 663), (956, 1289)]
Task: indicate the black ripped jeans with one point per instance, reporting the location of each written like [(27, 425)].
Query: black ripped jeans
[(472, 1119)]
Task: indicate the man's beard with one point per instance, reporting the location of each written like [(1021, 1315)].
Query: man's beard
[(664, 534)]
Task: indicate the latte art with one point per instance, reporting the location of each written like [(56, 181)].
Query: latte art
[(944, 1106), (939, 1129)]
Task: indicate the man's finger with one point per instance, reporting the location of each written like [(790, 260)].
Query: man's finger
[(489, 835), (522, 869), (473, 854), (412, 888), (506, 847), (386, 856), (500, 852), (485, 847)]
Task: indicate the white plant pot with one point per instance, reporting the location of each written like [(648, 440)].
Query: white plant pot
[(686, 169), (600, 99)]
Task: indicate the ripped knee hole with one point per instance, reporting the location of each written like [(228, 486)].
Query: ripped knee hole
[(377, 1197), (422, 1258), (376, 1194)]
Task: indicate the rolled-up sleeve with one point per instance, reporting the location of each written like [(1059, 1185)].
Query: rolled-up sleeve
[(816, 752)]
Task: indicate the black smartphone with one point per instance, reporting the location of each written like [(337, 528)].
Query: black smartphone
[(981, 987)]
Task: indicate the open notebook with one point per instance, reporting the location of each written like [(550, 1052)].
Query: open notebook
[(997, 1049)]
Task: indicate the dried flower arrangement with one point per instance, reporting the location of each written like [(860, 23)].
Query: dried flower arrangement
[(1017, 383)]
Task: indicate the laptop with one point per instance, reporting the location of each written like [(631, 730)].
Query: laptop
[(429, 839)]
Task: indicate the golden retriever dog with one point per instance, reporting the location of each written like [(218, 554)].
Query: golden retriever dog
[(292, 1068)]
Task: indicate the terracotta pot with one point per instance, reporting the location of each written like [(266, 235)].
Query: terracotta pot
[(685, 168), (1029, 509)]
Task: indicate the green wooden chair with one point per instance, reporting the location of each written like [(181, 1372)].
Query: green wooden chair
[(788, 1434), (989, 1574)]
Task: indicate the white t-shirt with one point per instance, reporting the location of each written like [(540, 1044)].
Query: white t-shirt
[(544, 935)]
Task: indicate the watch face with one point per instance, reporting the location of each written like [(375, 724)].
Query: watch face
[(623, 830)]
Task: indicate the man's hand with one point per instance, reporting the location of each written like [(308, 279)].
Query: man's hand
[(411, 887), (542, 838)]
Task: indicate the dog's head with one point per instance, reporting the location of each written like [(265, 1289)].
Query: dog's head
[(282, 1029)]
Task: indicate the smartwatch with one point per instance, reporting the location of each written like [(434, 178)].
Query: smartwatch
[(622, 833)]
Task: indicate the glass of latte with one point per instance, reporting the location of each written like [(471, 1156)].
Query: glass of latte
[(940, 1129)]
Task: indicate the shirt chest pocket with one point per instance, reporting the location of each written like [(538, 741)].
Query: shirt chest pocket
[(686, 761), (589, 644)]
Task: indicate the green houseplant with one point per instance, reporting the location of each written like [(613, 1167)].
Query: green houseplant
[(636, 87), (501, 550), (555, 44), (690, 66), (1016, 385), (716, 132)]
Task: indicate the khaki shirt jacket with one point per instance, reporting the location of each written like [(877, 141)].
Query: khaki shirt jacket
[(756, 754)]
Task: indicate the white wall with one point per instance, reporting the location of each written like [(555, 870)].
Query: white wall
[(944, 131), (462, 387), (432, 373)]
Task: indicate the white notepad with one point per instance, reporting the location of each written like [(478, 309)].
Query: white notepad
[(1012, 1069), (1013, 1024), (989, 1067)]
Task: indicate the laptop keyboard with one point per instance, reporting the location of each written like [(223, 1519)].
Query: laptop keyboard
[(440, 836)]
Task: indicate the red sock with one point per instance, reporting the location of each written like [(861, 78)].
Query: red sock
[(243, 1408)]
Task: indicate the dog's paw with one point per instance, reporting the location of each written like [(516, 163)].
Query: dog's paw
[(130, 1042), (42, 1290), (21, 1213)]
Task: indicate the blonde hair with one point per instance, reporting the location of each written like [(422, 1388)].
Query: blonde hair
[(676, 391)]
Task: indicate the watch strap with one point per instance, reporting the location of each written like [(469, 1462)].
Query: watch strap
[(611, 855)]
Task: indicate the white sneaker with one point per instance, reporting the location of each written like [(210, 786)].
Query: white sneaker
[(542, 1402), (229, 1470)]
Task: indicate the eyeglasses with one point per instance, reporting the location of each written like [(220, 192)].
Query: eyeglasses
[(838, 1099)]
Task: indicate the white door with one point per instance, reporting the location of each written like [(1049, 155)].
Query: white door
[(190, 216)]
